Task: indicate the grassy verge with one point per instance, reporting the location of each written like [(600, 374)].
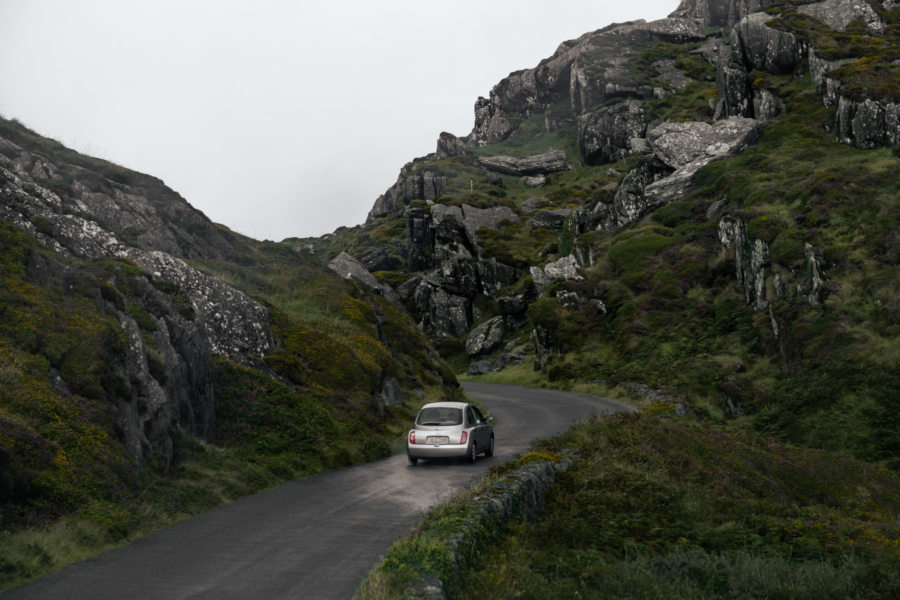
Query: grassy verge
[(267, 434), (453, 535), (662, 507)]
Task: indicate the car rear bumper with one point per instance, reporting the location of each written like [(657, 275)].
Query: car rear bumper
[(442, 451)]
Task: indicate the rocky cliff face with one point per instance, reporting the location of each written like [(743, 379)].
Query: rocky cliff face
[(605, 89), (587, 79), (719, 13), (866, 117), (102, 212)]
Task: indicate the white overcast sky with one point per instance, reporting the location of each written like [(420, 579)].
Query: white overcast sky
[(276, 118)]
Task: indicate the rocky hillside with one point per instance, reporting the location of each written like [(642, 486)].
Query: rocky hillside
[(137, 336), (705, 204)]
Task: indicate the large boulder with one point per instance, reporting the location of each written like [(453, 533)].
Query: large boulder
[(766, 48), (449, 145), (550, 219), (486, 337), (679, 151), (496, 275), (379, 259), (349, 268), (673, 29), (687, 147), (868, 123), (412, 184), (629, 202), (733, 88), (444, 315), (680, 144), (753, 45), (563, 269), (472, 219), (837, 14), (550, 161), (604, 134)]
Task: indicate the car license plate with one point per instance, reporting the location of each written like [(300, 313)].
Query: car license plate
[(437, 440)]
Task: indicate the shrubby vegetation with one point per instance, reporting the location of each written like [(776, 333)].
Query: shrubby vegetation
[(781, 481), (67, 487), (714, 504), (658, 506)]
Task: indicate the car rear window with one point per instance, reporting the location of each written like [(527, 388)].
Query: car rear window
[(434, 415)]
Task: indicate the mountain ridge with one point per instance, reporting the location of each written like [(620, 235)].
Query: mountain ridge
[(646, 126)]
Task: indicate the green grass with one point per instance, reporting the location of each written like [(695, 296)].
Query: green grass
[(661, 507), (871, 72), (676, 318), (68, 488), (532, 138), (461, 522)]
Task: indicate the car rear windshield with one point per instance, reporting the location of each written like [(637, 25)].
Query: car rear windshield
[(434, 415)]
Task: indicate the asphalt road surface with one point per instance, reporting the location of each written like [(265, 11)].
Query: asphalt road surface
[(314, 537)]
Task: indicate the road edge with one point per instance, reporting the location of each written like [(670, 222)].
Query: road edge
[(429, 563)]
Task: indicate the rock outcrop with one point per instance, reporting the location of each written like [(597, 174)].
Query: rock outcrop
[(605, 134), (486, 337), (719, 13), (449, 145), (753, 45), (349, 268), (756, 43), (761, 277), (589, 84), (582, 74), (235, 325), (837, 14), (867, 123), (166, 367), (550, 219), (412, 184), (539, 164), (679, 150), (138, 209)]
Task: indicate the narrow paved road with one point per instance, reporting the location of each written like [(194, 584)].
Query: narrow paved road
[(314, 537)]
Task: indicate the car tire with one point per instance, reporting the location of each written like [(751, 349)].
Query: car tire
[(412, 460), (490, 449), (473, 451)]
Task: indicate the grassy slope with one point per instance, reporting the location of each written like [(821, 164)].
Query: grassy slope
[(662, 507), (707, 505), (676, 317), (67, 489)]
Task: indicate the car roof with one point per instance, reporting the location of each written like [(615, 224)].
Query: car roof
[(446, 405)]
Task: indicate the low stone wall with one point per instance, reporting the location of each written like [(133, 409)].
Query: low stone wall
[(521, 492)]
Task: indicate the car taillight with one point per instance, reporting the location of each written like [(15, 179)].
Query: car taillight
[(412, 436), (464, 437)]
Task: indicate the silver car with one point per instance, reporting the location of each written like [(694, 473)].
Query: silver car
[(448, 429)]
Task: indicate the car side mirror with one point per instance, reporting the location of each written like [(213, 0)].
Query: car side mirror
[(489, 420)]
